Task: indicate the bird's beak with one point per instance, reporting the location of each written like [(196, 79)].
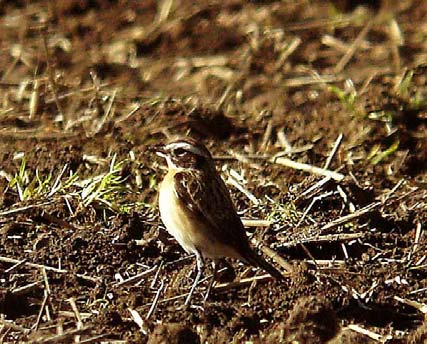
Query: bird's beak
[(158, 149)]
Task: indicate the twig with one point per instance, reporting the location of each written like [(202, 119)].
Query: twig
[(313, 189), (392, 191), (308, 253), (173, 298), (77, 92), (325, 238), (156, 276), (267, 136), (14, 267), (290, 48), (180, 260), (46, 280), (126, 116), (42, 307), (349, 217), (60, 338), (47, 291), (34, 99), (282, 140), (307, 168), (69, 314), (243, 282), (13, 326), (57, 184), (101, 123), (256, 223), (26, 288), (156, 300), (310, 80), (76, 312), (333, 151), (353, 177), (291, 151), (396, 40), (353, 47), (327, 262), (49, 268), (274, 256), (418, 233), (136, 277), (370, 334), (345, 198), (231, 180), (96, 339), (421, 290), (247, 161), (136, 317), (422, 307), (245, 157), (318, 23), (312, 203), (26, 134), (18, 210)]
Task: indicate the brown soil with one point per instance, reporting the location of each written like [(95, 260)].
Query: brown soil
[(86, 86)]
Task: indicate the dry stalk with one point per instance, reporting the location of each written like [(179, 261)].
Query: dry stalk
[(233, 181), (375, 336), (307, 168), (96, 339), (26, 288), (256, 223), (137, 277), (136, 317), (155, 301), (18, 210), (243, 282), (352, 216), (325, 238), (16, 266), (42, 309), (49, 268), (77, 315), (421, 307), (62, 338), (10, 324), (333, 151), (354, 46)]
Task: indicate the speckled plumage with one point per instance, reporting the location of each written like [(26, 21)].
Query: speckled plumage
[(197, 209)]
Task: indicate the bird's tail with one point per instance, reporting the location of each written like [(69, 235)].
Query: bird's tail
[(257, 260)]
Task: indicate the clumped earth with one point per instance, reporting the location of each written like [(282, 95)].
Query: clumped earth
[(316, 113)]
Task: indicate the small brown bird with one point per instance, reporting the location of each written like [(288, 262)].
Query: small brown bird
[(196, 208)]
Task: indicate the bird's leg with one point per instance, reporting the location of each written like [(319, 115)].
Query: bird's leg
[(200, 266), (215, 270)]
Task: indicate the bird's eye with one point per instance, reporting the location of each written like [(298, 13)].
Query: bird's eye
[(179, 152)]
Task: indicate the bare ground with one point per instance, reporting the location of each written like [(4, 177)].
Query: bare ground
[(336, 86)]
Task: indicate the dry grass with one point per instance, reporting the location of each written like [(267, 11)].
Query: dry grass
[(316, 113)]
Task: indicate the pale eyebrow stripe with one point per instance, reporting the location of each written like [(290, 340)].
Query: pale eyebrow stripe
[(186, 146)]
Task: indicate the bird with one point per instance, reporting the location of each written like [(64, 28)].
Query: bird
[(197, 210)]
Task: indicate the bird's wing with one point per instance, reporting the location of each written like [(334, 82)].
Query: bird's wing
[(207, 197)]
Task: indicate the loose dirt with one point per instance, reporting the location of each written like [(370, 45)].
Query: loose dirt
[(87, 86)]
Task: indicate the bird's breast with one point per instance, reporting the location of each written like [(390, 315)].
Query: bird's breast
[(192, 233), (174, 217)]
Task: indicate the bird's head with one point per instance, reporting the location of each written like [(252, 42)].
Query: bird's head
[(185, 154)]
